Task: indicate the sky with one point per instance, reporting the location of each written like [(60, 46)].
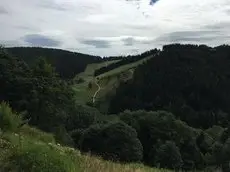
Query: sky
[(113, 27)]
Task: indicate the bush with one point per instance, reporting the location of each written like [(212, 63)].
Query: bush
[(168, 156), (9, 121), (114, 141), (76, 135), (63, 137), (156, 127), (82, 117)]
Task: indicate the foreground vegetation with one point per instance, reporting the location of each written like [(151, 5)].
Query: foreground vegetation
[(27, 149)]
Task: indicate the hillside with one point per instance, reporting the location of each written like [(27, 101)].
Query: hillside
[(67, 64), (98, 89), (188, 80), (183, 92), (30, 149)]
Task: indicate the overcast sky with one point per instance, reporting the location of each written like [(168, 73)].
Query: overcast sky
[(113, 27)]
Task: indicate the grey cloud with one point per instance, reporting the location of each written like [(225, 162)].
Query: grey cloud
[(52, 5), (219, 26), (130, 41), (192, 36), (41, 40), (96, 43), (228, 11), (3, 10)]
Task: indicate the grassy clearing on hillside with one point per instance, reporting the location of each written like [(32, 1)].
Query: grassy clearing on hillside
[(124, 68), (108, 81), (83, 93), (32, 152)]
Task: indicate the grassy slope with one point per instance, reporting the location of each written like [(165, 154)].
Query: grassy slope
[(83, 93), (108, 81), (37, 151)]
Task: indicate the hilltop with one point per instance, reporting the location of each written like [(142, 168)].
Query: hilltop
[(67, 64)]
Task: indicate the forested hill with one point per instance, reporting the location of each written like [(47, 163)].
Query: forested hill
[(66, 63), (190, 81)]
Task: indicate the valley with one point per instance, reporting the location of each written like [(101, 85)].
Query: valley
[(162, 109)]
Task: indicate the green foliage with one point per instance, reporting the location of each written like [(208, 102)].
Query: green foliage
[(52, 98), (168, 156), (190, 81), (215, 132), (76, 136), (63, 137), (81, 117), (214, 156), (115, 141), (225, 135), (226, 151), (155, 128), (9, 121), (186, 86), (39, 91)]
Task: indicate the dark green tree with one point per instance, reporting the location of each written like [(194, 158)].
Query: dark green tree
[(51, 98), (168, 156), (189, 81), (115, 141)]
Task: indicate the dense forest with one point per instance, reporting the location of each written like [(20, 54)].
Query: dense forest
[(190, 81), (173, 114), (66, 63), (124, 60)]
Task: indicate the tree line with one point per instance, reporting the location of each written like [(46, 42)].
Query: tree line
[(67, 64), (123, 61)]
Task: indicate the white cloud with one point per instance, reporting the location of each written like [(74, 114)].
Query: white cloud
[(117, 26)]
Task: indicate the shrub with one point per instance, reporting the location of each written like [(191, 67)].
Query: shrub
[(168, 156), (63, 137), (225, 156), (82, 117), (115, 141), (76, 135), (9, 121)]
